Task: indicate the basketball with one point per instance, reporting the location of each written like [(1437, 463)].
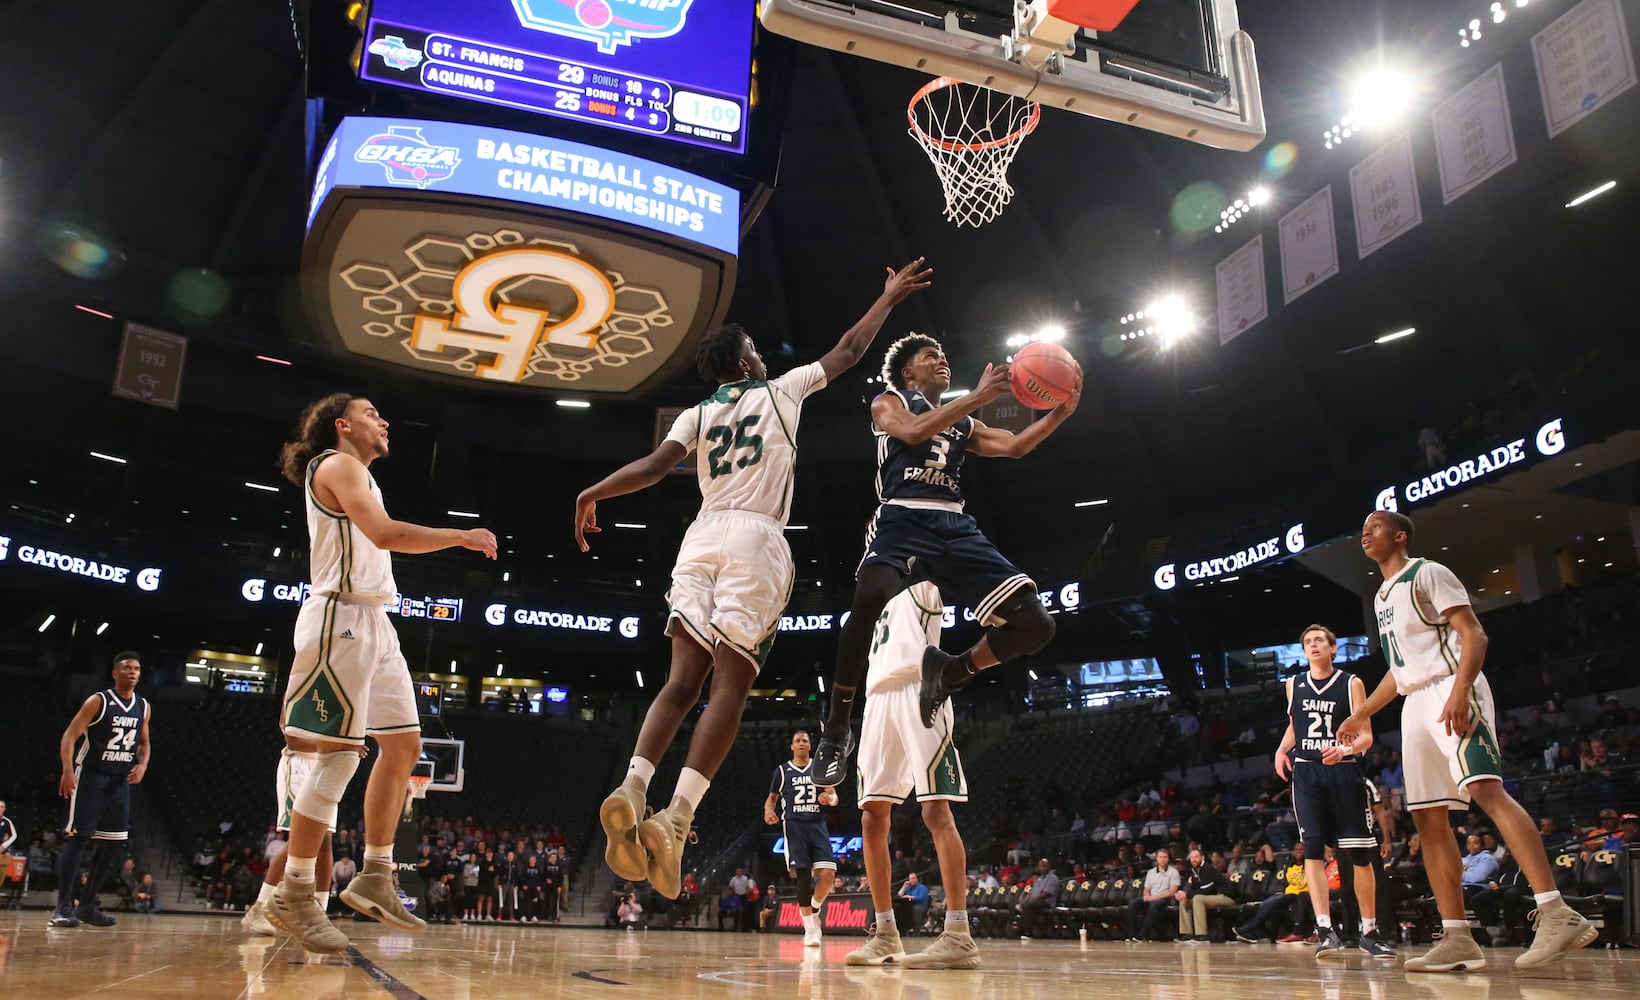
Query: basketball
[(1043, 375)]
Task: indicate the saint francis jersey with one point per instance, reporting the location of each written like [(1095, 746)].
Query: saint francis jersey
[(799, 795), (1418, 641), (928, 471), (1317, 709), (746, 434), (908, 625), (111, 740), (343, 560)]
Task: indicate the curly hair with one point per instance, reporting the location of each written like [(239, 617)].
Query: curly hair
[(315, 432), (1400, 522), (900, 354), (718, 357)]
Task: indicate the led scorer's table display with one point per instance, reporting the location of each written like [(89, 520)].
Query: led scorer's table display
[(675, 69)]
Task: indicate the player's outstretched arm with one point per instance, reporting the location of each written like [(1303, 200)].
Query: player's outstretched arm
[(888, 411), (344, 477), (65, 746), (852, 347), (994, 442), (636, 475)]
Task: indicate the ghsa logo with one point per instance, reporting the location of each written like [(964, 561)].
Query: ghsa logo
[(609, 23), (409, 159)]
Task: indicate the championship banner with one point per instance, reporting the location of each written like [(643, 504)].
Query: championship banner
[(150, 366), (1474, 138), (1242, 302), (1309, 245), (1583, 61), (1384, 191)]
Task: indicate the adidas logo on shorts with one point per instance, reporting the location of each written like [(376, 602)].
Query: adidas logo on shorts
[(347, 633)]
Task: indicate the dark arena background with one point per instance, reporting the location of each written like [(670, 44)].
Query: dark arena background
[(1315, 259)]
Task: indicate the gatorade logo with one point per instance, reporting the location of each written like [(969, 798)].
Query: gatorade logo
[(1550, 439), (1166, 578)]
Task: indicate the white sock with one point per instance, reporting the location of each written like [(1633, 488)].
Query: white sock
[(266, 893), (1545, 898), (1452, 925), (643, 770), (692, 786), (322, 898), (815, 904), (300, 869), (1369, 925), (381, 854), (956, 920), (1323, 921), (885, 923)]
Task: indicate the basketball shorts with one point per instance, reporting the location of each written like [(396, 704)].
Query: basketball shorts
[(1330, 804), (946, 548), (100, 805), (349, 677), (294, 771), (732, 580), (808, 845), (898, 756), (1441, 765)]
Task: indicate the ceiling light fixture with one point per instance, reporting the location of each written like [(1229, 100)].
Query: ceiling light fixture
[(1092, 503), (273, 360), (264, 487), (108, 458), (1592, 193), (462, 513), (1397, 335), (94, 312), (574, 404)]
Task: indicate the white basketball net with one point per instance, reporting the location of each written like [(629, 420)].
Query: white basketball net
[(971, 134)]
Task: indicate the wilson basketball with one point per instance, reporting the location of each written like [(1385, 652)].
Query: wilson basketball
[(1043, 375)]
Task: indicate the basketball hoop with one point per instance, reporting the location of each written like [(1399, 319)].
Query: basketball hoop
[(418, 785), (971, 135)]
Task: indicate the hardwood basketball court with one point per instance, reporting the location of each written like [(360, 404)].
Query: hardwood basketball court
[(172, 956)]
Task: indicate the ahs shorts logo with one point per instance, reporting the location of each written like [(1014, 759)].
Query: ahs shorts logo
[(409, 159), (319, 709), (609, 23)]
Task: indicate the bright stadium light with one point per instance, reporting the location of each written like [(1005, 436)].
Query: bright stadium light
[(1397, 335), (1051, 333), (574, 404), (1580, 199), (102, 628)]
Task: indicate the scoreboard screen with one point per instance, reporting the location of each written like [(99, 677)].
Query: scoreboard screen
[(674, 69), (428, 697)]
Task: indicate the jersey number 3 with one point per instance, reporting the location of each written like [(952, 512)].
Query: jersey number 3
[(738, 438)]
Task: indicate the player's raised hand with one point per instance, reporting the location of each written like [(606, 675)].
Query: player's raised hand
[(479, 540), (586, 520), (993, 383), (910, 278), (1071, 401)]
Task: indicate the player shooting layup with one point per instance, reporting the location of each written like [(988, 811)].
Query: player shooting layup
[(1435, 647), (734, 570), (808, 842), (349, 678), (920, 532)]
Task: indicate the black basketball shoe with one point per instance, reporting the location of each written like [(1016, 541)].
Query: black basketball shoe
[(831, 757)]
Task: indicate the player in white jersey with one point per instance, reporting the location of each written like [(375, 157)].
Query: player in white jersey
[(1435, 647), (898, 757), (349, 678), (733, 574)]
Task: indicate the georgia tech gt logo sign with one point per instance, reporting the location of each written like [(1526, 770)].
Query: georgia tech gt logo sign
[(1289, 543), (512, 332), (1550, 439)]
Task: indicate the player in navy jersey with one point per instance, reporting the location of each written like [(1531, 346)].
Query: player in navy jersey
[(1330, 797), (808, 842), (104, 751), (920, 532)]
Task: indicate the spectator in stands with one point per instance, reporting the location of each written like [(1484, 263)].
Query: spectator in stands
[(1204, 889), (1479, 867), (438, 900), (219, 891), (8, 830), (344, 846), (145, 897), (341, 873), (986, 879), (506, 886), (1628, 834), (1239, 863), (1549, 833), (768, 914), (1161, 884), (683, 908), (1304, 929), (1599, 759), (205, 863), (532, 884), (125, 884), (1043, 897), (911, 904), (1277, 905), (629, 914), (1597, 835), (730, 905), (1489, 841), (469, 886), (741, 886)]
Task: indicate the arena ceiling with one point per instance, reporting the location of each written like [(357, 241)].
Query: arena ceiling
[(174, 130)]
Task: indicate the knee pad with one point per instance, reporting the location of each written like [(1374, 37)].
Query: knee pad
[(1358, 856), (319, 796), (805, 887), (1025, 626)]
